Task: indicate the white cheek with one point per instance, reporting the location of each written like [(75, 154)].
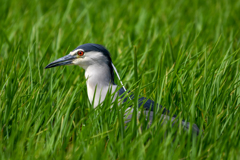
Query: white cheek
[(76, 61), (83, 62)]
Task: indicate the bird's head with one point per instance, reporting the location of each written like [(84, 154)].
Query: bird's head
[(85, 56)]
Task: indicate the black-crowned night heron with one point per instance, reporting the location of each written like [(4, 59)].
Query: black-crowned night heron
[(99, 72)]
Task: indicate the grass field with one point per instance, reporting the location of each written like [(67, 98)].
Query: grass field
[(186, 56)]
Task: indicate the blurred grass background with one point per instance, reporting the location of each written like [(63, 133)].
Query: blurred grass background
[(187, 59)]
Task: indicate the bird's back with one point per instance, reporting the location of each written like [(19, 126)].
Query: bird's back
[(147, 104)]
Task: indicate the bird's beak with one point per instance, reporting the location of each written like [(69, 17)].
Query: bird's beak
[(66, 60)]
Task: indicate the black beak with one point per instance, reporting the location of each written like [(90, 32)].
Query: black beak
[(66, 60)]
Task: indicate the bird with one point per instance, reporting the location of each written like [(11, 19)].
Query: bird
[(95, 59)]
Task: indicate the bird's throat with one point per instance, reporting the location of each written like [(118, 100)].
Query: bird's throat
[(98, 83)]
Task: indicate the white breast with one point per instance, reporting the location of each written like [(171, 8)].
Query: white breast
[(100, 93), (98, 82)]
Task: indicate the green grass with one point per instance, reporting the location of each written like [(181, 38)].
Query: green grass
[(183, 54)]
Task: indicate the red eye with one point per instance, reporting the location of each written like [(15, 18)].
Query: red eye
[(80, 53)]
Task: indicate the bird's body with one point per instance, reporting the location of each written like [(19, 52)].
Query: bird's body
[(99, 81), (99, 74)]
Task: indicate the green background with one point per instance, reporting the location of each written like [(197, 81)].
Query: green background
[(184, 54)]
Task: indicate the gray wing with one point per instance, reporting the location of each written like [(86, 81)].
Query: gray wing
[(142, 101), (148, 106)]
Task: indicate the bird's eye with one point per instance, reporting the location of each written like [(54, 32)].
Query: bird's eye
[(80, 53)]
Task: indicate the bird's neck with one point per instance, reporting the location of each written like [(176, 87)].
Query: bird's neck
[(99, 81)]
